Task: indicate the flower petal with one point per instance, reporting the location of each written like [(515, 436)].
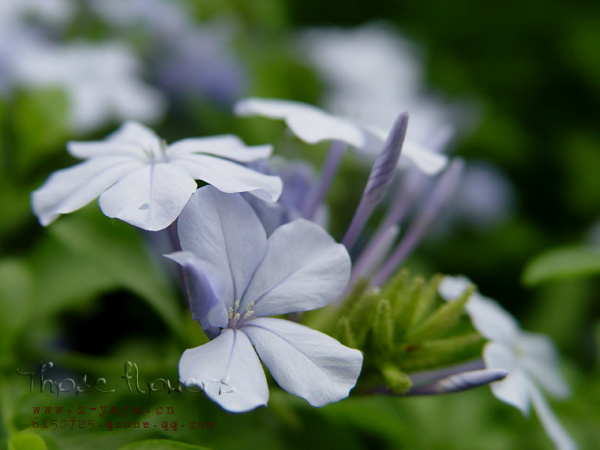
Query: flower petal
[(228, 371), (206, 288), (70, 189), (514, 389), (549, 421), (488, 317), (132, 138), (428, 161), (309, 123), (135, 132), (230, 177), (491, 320), (303, 361), (452, 287), (226, 146), (540, 360), (223, 230), (425, 159), (150, 198), (303, 269)]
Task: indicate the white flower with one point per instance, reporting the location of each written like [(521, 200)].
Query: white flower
[(146, 183), (52, 12), (371, 71), (313, 125), (236, 277), (529, 358), (485, 197), (165, 18), (101, 81)]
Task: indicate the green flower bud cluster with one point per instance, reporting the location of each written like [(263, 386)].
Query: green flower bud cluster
[(405, 327)]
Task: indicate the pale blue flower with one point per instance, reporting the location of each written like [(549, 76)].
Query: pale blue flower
[(102, 82), (371, 73), (236, 277), (15, 13), (313, 125), (529, 358), (146, 183)]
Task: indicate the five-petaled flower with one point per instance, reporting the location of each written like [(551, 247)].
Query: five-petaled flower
[(236, 277), (313, 125), (146, 183), (529, 358)]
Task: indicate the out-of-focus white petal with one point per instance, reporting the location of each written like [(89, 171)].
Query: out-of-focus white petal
[(428, 161), (101, 82), (303, 269), (226, 146), (303, 361), (529, 358), (553, 427), (488, 317), (230, 177), (491, 320), (224, 231), (309, 123), (452, 287), (540, 359), (514, 388), (133, 99), (70, 189), (228, 371), (150, 198)]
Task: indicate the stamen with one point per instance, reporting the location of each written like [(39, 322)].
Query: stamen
[(236, 317), (250, 306), (248, 314), (230, 313)]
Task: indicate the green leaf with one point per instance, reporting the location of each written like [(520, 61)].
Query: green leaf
[(562, 263), (117, 250), (27, 440), (15, 210), (39, 123), (161, 444), (15, 300), (65, 280)]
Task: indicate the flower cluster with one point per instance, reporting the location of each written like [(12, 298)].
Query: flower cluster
[(235, 276), (251, 242)]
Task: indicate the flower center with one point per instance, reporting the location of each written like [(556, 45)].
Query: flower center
[(155, 154), (235, 318)]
